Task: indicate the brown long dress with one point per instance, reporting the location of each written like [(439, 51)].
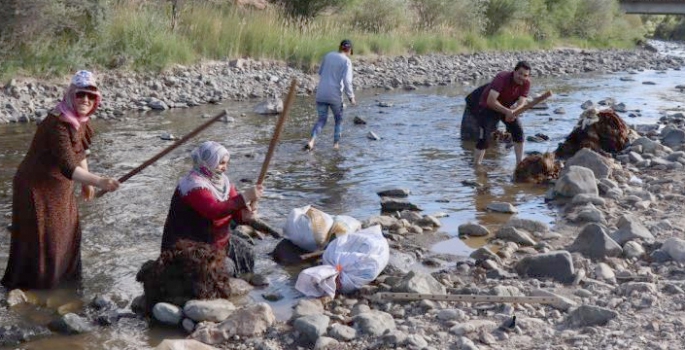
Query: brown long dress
[(46, 235)]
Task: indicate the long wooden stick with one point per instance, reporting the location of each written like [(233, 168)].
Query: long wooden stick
[(167, 150), (277, 131), (533, 103), (468, 298)]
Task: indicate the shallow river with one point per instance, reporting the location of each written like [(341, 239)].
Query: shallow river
[(419, 149)]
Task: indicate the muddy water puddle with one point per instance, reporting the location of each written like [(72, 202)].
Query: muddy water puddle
[(419, 149)]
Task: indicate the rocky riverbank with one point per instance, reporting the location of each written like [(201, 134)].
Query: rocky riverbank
[(24, 100), (613, 260)]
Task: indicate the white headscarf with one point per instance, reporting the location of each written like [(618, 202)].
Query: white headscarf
[(206, 159)]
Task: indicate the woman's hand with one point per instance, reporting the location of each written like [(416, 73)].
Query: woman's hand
[(253, 194), (88, 192), (107, 184), (247, 215)]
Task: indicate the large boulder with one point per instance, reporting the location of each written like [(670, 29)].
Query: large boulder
[(577, 180), (557, 265), (592, 160), (594, 243)]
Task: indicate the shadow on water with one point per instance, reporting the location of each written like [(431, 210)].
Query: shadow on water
[(419, 149)]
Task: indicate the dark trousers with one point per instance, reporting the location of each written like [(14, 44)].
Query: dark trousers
[(487, 124)]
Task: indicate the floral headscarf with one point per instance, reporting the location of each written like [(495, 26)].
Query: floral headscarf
[(206, 159), (82, 81)]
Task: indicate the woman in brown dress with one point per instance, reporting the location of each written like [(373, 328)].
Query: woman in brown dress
[(46, 234)]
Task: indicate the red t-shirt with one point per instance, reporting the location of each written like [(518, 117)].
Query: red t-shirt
[(509, 91)]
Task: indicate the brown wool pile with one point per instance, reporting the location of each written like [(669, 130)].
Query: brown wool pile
[(537, 168), (602, 131), (191, 270)]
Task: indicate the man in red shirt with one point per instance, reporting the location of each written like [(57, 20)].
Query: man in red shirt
[(507, 89)]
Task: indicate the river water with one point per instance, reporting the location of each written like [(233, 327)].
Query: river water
[(419, 149)]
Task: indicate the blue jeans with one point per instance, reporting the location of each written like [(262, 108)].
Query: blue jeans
[(322, 110)]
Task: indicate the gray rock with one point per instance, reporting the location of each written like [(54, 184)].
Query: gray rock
[(502, 207), (593, 242), (419, 282), (374, 322), (312, 326), (16, 297), (557, 265), (484, 253), (394, 338), (372, 136), (71, 324), (472, 229), (215, 310), (394, 192), (342, 332), (509, 233), (188, 325), (633, 249), (587, 214), (639, 288), (675, 248), (589, 315), (167, 313), (157, 104), (592, 160), (630, 228), (399, 263), (416, 341), (563, 303), (389, 204), (248, 321), (306, 307), (576, 180), (529, 225), (324, 343), (584, 198), (673, 138), (660, 256)]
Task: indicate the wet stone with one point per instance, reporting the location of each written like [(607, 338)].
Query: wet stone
[(15, 335), (394, 192), (359, 121), (71, 324), (394, 204)]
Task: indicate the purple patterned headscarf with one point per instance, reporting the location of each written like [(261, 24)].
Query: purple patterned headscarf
[(82, 81)]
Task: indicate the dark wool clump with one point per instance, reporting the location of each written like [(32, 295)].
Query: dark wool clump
[(192, 270)]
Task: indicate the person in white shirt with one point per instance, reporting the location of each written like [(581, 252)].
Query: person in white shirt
[(335, 77)]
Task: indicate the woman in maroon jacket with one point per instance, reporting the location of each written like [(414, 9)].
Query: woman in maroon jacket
[(204, 204)]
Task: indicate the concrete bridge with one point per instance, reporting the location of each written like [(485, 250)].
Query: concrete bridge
[(654, 7)]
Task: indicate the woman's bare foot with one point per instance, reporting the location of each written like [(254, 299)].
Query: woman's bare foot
[(336, 146)]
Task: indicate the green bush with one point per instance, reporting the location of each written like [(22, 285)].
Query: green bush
[(461, 15), (379, 16), (305, 10), (500, 13)]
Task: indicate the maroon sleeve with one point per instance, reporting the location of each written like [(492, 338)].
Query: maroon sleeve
[(498, 82), (205, 204), (62, 151)]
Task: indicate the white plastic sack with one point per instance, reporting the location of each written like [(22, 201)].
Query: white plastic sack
[(317, 281), (359, 257), (343, 224), (308, 228)]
